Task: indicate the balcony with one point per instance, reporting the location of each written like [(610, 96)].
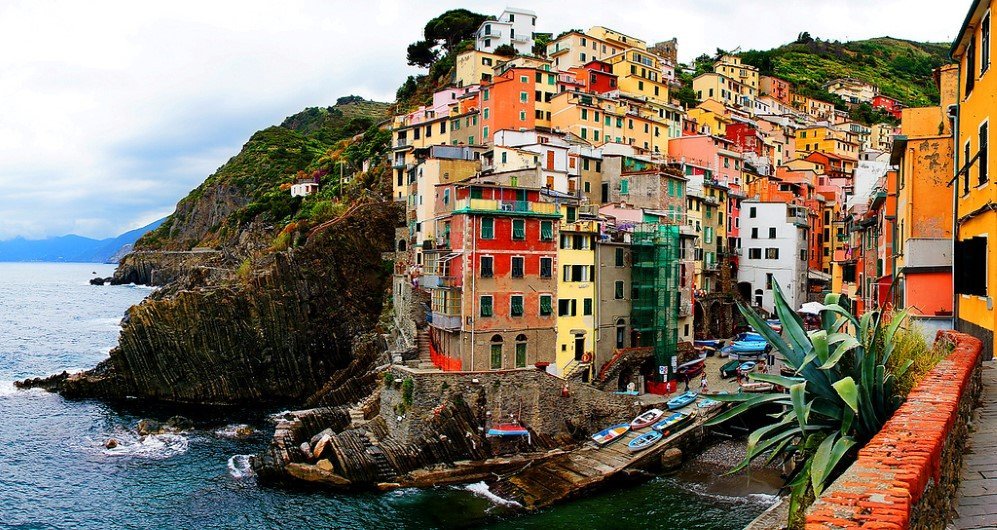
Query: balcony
[(444, 321), (449, 281), (401, 142), (470, 205), (581, 226), (925, 253)]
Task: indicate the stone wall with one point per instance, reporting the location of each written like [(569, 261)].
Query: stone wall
[(907, 475), (532, 396)]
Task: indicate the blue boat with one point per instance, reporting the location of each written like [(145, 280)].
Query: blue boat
[(644, 441), (747, 367), (682, 400), (749, 336), (609, 434), (710, 343), (673, 422)]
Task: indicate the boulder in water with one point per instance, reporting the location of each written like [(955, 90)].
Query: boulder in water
[(322, 446), (147, 427), (111, 443)]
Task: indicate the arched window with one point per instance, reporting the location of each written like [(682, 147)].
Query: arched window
[(402, 245), (758, 297), (521, 351), (621, 332), (496, 352)]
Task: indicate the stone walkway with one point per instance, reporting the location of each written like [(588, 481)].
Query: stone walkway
[(977, 504)]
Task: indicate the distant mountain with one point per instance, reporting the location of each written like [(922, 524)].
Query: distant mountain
[(73, 248)]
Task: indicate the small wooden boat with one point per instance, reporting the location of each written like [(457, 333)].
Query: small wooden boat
[(644, 441), (674, 421), (729, 369), (691, 368), (705, 350), (708, 343), (609, 434), (748, 336), (776, 325), (747, 367), (646, 419), (758, 387), (682, 400), (508, 429)]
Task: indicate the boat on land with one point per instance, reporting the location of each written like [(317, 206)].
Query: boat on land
[(775, 324), (748, 350), (708, 343), (644, 441), (706, 403), (758, 387), (508, 429), (729, 369), (748, 336), (682, 400), (674, 421), (646, 419), (747, 367), (691, 368), (609, 434)]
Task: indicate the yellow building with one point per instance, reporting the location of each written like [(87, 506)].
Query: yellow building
[(614, 36), (576, 295), (639, 73), (575, 49), (475, 66), (827, 140), (731, 67), (597, 120), (975, 267), (723, 89), (713, 114)]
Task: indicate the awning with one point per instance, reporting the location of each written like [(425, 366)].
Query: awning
[(819, 276)]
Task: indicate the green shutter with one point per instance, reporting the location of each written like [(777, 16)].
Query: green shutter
[(624, 187), (547, 231), (486, 306), (487, 228), (518, 229), (520, 355), (517, 306), (587, 307), (546, 305), (496, 356)]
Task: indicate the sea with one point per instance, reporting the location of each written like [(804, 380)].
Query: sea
[(55, 471)]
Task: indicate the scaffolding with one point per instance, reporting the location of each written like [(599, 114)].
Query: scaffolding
[(656, 294)]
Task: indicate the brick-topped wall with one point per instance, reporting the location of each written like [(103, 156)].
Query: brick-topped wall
[(907, 475)]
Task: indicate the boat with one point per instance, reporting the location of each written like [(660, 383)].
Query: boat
[(758, 387), (708, 343), (748, 336), (691, 368), (509, 429), (646, 419), (729, 369), (674, 421), (644, 441), (747, 367), (609, 434), (706, 403), (775, 324), (748, 350), (705, 350), (682, 400)]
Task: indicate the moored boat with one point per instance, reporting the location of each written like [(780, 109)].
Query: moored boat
[(691, 368), (729, 369), (674, 421), (644, 441), (682, 400), (709, 343), (706, 403), (646, 419), (609, 434), (758, 387), (747, 367)]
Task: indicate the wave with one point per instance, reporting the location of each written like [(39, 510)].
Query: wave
[(152, 446), (239, 430), (481, 489), (239, 466), (7, 388)]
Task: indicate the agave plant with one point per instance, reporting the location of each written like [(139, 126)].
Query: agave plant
[(839, 398)]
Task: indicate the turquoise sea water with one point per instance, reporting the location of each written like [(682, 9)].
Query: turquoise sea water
[(56, 473)]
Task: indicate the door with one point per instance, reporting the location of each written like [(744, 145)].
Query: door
[(605, 192), (550, 160), (579, 347)]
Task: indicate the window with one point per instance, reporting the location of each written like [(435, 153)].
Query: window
[(486, 306), (487, 266), (621, 328), (985, 45), (572, 214), (517, 266), (567, 307), (524, 97), (497, 352), (522, 115), (587, 307), (752, 212), (624, 187), (487, 228), (484, 95), (768, 281), (772, 253), (521, 351), (546, 305), (485, 114), (546, 230), (971, 66), (546, 267), (519, 229), (619, 257), (516, 305), (983, 160), (771, 232), (971, 266), (618, 290), (754, 253), (803, 257)]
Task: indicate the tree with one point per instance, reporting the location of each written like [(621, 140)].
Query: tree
[(452, 26), (506, 50), (421, 53), (804, 38), (540, 42), (408, 89)]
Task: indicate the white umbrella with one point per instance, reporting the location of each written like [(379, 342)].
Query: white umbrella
[(812, 308)]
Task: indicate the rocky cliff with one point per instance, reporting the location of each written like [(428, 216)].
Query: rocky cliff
[(271, 332)]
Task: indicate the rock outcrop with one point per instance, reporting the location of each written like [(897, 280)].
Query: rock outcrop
[(274, 333)]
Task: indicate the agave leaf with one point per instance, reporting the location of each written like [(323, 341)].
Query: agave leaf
[(846, 421), (849, 392), (770, 336), (828, 408), (747, 405), (797, 393), (902, 369), (880, 380), (864, 323), (776, 379), (834, 458), (792, 325), (762, 432), (778, 450), (846, 345), (837, 309), (820, 460), (819, 340), (835, 338), (891, 332), (763, 446)]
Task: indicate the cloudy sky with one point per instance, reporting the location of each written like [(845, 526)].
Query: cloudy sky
[(111, 111)]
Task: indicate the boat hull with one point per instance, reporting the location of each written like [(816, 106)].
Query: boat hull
[(644, 441)]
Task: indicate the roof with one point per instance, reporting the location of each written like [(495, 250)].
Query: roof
[(899, 146), (957, 43)]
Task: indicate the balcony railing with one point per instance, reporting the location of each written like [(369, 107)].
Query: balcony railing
[(444, 321), (493, 205)]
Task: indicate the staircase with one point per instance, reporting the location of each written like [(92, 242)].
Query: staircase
[(381, 464), (422, 346), (574, 369)]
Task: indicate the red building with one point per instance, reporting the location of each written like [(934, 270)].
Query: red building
[(596, 77), (746, 136), (491, 277), (888, 104)]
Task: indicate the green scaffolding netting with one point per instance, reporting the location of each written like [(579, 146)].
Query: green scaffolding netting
[(655, 306)]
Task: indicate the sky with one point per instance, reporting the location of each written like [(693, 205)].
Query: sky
[(110, 112)]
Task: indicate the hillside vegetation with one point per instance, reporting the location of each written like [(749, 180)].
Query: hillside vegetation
[(902, 69), (253, 186)]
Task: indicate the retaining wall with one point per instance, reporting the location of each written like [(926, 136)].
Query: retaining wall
[(907, 475)]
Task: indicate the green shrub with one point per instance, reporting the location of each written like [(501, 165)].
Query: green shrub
[(408, 388)]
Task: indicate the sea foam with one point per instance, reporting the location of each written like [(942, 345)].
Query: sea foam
[(481, 489)]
